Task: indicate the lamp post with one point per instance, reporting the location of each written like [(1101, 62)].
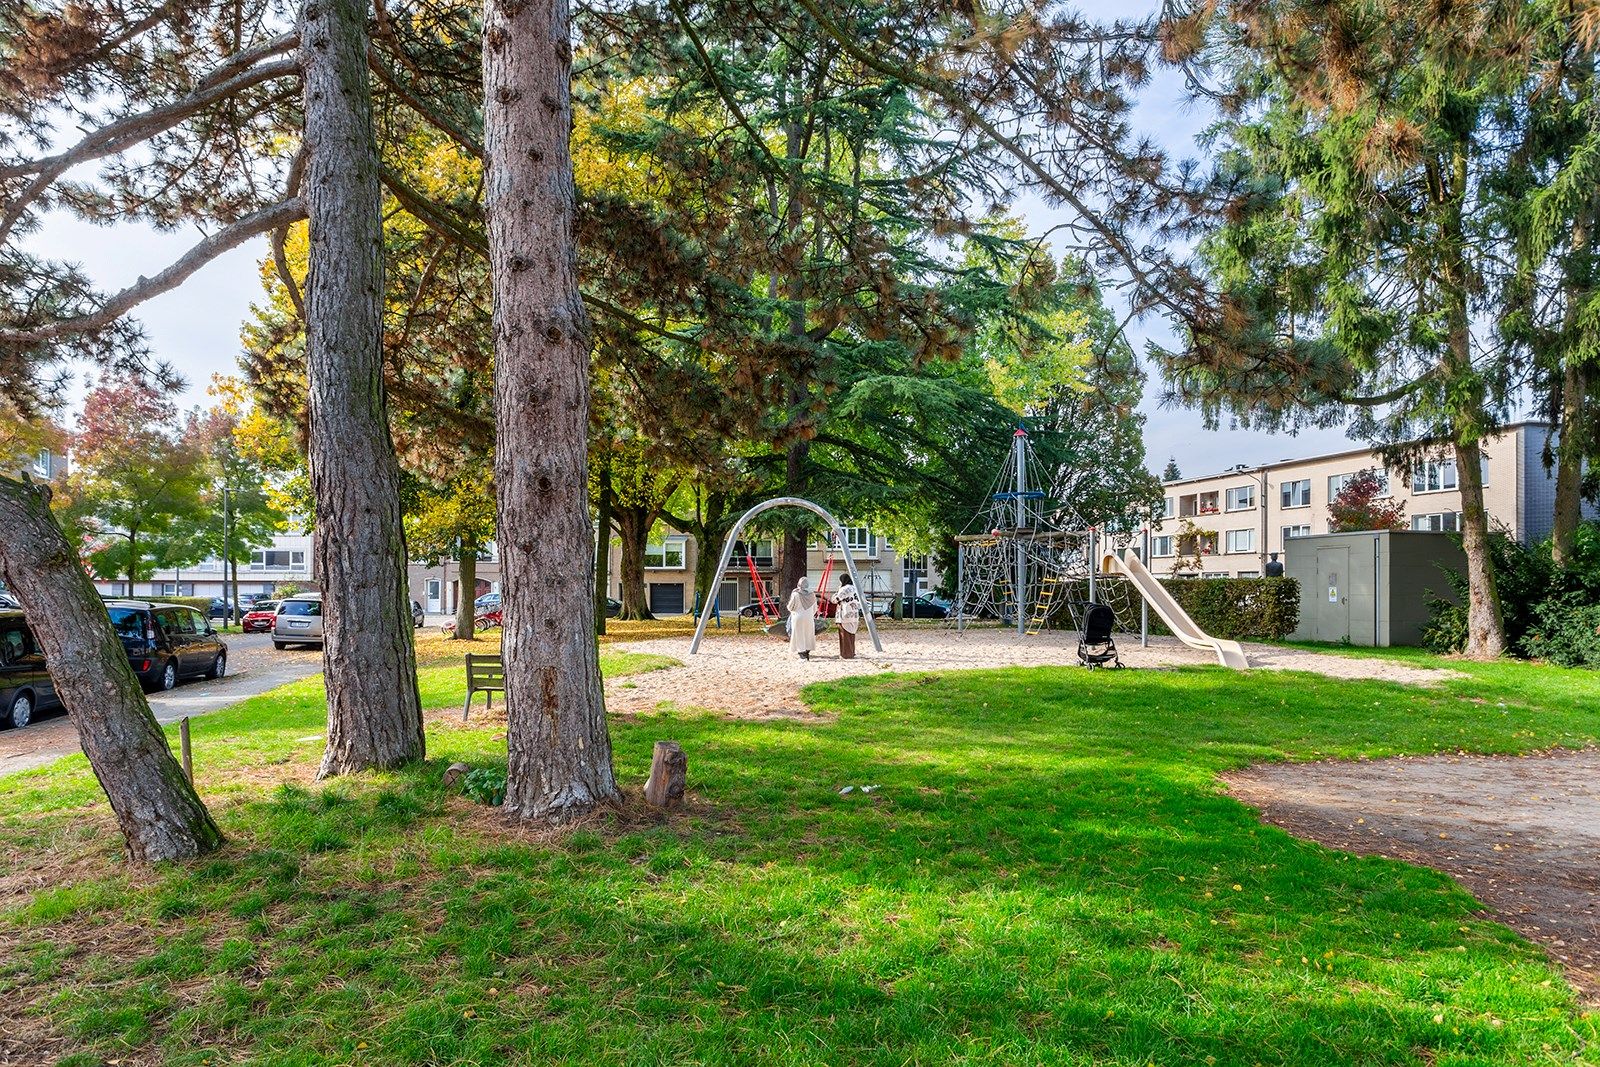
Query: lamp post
[(227, 545)]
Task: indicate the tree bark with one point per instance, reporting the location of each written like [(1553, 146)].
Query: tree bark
[(1486, 631), (159, 812), (795, 554), (374, 710), (1570, 448), (633, 530), (602, 552), (557, 745), (467, 578)]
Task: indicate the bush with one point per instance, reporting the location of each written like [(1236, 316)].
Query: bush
[(486, 785), (1239, 609), (1566, 631), (1545, 607)]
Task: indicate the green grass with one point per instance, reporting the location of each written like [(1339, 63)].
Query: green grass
[(1048, 872)]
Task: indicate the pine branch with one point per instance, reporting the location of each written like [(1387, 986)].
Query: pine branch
[(123, 134), (453, 130), (263, 221)]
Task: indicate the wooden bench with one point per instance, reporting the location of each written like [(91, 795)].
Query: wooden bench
[(485, 674)]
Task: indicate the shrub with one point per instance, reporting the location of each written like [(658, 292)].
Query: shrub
[(1239, 609), (486, 785), (1566, 631)]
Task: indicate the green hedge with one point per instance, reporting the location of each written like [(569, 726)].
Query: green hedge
[(1238, 609)]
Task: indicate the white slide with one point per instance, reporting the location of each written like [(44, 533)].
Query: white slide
[(1229, 653)]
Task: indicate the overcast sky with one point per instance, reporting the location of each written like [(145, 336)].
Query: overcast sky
[(196, 327)]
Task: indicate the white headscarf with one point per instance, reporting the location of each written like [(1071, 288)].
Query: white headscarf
[(803, 597)]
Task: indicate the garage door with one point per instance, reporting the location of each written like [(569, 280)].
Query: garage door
[(666, 598)]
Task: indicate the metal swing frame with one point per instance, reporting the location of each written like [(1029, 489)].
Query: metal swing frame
[(733, 539)]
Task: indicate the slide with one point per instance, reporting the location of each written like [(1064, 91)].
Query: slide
[(1229, 653)]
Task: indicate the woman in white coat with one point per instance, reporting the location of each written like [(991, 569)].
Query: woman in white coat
[(847, 610), (803, 619)]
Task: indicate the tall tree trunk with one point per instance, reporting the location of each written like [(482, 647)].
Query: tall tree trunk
[(374, 710), (1570, 449), (1486, 631), (557, 745), (602, 552), (633, 530), (160, 815), (467, 580), (795, 555)]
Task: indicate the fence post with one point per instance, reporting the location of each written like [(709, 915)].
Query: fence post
[(183, 746)]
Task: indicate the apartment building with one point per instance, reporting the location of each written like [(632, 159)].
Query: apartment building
[(1242, 515), (670, 560), (285, 561)]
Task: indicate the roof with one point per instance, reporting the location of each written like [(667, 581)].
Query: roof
[(1259, 467)]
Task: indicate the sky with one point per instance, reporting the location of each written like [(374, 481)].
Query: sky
[(196, 327)]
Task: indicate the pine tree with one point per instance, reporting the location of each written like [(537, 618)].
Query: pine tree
[(1170, 472), (1346, 238)]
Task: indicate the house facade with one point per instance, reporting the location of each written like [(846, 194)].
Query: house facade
[(284, 562), (1243, 515), (670, 559)]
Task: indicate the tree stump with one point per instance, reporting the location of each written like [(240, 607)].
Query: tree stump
[(669, 773), (454, 773)]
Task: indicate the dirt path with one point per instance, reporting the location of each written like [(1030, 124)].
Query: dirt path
[(1521, 833), (755, 676)]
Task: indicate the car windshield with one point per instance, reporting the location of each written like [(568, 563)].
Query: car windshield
[(301, 607), (129, 623), (264, 605)]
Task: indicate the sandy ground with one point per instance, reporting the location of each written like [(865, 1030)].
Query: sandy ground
[(1521, 833), (756, 676)]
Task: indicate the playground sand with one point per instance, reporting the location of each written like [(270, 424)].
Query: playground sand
[(755, 676)]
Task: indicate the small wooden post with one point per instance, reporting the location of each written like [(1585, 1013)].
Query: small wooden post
[(669, 774), (183, 744)]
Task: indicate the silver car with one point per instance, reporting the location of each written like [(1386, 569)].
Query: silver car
[(299, 621)]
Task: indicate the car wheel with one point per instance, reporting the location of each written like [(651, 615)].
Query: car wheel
[(219, 666), (169, 677), (21, 713), (280, 645)]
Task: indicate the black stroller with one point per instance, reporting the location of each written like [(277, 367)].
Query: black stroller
[(1095, 647)]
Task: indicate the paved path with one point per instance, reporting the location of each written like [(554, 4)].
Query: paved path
[(254, 667)]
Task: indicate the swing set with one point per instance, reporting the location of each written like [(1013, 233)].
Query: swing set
[(771, 621), (767, 605)]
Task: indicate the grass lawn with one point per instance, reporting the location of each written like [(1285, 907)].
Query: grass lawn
[(1047, 872)]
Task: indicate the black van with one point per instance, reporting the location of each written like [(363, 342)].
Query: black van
[(25, 687), (167, 642)]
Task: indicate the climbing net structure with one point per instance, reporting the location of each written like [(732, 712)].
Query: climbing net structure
[(1014, 566)]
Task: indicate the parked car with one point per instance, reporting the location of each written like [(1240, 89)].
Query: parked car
[(416, 615), (924, 607), (753, 610), (259, 619), (7, 603), (167, 642), (25, 686), (487, 602), (219, 608), (613, 608), (299, 621)]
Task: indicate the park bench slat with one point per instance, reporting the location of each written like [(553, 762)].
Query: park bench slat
[(486, 674)]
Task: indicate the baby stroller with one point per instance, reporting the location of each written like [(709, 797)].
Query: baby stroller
[(1095, 647)]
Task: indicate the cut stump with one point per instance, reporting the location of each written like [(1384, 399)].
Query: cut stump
[(669, 773)]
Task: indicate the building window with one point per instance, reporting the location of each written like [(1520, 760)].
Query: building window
[(1439, 522), (1241, 541), (1161, 546), (1169, 507), (1303, 530), (1247, 574), (1297, 494), (1209, 504), (765, 553), (1214, 574), (44, 463), (666, 555), (1242, 498), (277, 559), (1434, 476), (858, 538), (1337, 482)]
